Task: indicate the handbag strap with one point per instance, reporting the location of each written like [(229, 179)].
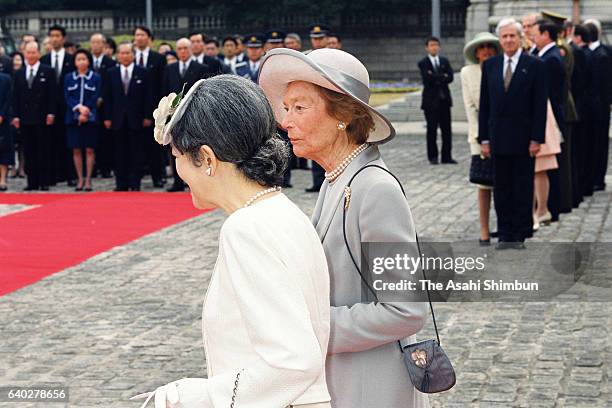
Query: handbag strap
[(347, 198)]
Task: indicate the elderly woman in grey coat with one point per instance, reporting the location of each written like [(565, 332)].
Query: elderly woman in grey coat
[(321, 99)]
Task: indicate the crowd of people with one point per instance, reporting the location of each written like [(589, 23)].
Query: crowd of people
[(69, 113), (538, 99)]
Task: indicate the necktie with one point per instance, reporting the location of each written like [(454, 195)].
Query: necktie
[(141, 59), (508, 75), (97, 64), (30, 77), (182, 69), (126, 81), (436, 65), (57, 67)]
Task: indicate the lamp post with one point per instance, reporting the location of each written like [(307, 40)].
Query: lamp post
[(149, 14), (435, 18)]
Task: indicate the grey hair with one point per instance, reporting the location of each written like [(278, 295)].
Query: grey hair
[(232, 116), (295, 36), (509, 21), (126, 43)]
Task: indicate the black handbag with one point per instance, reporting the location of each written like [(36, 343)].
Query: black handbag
[(428, 366), (481, 170)]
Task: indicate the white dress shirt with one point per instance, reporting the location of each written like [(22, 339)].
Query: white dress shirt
[(198, 58), (254, 66), (594, 45), (145, 56), (60, 58), (129, 68), (515, 59), (545, 49), (97, 61), (435, 61), (184, 66), (33, 69)]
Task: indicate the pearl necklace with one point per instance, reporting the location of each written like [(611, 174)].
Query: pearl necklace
[(332, 175), (261, 194)]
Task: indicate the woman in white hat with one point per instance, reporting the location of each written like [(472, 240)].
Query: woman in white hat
[(265, 318), (483, 46), (321, 99)]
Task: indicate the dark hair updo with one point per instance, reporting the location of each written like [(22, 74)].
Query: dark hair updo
[(232, 116)]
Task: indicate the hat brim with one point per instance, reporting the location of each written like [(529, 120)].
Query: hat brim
[(469, 51), (280, 67)]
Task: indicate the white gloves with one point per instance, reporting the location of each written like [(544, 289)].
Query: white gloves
[(184, 393)]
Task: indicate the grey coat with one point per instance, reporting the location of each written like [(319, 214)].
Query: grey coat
[(364, 364)]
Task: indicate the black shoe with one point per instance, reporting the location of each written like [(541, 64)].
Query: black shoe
[(3, 188), (518, 245), (450, 161), (599, 187), (313, 189), (494, 234), (120, 189), (30, 188), (484, 242), (158, 184), (175, 188), (71, 183), (504, 245), (135, 189), (435, 161), (44, 188), (286, 185)]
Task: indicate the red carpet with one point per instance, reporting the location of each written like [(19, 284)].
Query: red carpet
[(67, 229)]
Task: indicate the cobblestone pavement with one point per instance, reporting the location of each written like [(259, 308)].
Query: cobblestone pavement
[(128, 320)]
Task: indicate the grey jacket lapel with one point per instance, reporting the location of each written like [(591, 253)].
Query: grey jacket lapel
[(330, 199)]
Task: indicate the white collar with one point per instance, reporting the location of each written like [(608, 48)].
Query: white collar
[(60, 53), (98, 58), (514, 57), (185, 63), (88, 74), (145, 51), (433, 58), (594, 45), (545, 49), (129, 68), (33, 67), (198, 58)]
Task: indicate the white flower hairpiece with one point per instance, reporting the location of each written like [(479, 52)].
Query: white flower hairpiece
[(162, 115)]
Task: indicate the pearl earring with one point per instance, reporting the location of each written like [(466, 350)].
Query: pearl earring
[(209, 171), (341, 126)]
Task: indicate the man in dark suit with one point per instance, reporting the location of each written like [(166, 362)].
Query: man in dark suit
[(34, 111), (437, 73), (183, 73), (599, 92), (155, 63), (128, 111), (579, 83), (512, 121), (545, 37), (62, 63), (101, 63), (198, 49)]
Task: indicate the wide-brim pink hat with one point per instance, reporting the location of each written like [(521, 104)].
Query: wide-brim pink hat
[(329, 68)]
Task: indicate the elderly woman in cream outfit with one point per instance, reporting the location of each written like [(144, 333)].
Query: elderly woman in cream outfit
[(321, 99), (483, 46), (265, 319)]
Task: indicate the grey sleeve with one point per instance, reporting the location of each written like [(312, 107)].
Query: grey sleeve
[(384, 216)]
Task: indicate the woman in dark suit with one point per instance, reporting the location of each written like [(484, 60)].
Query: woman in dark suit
[(81, 90), (7, 152)]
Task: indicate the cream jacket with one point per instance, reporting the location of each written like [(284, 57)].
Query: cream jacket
[(470, 87)]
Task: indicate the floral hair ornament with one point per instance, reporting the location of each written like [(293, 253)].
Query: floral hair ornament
[(169, 110)]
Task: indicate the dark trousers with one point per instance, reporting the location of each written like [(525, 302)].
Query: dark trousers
[(577, 160), (602, 146), (104, 151), (38, 143), (439, 117), (129, 157), (590, 156), (154, 156), (513, 195), (565, 171), (318, 175), (63, 166), (178, 181)]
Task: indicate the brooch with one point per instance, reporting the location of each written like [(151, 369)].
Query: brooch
[(419, 356)]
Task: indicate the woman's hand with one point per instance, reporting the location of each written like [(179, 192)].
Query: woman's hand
[(84, 110), (184, 393), (83, 118)]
